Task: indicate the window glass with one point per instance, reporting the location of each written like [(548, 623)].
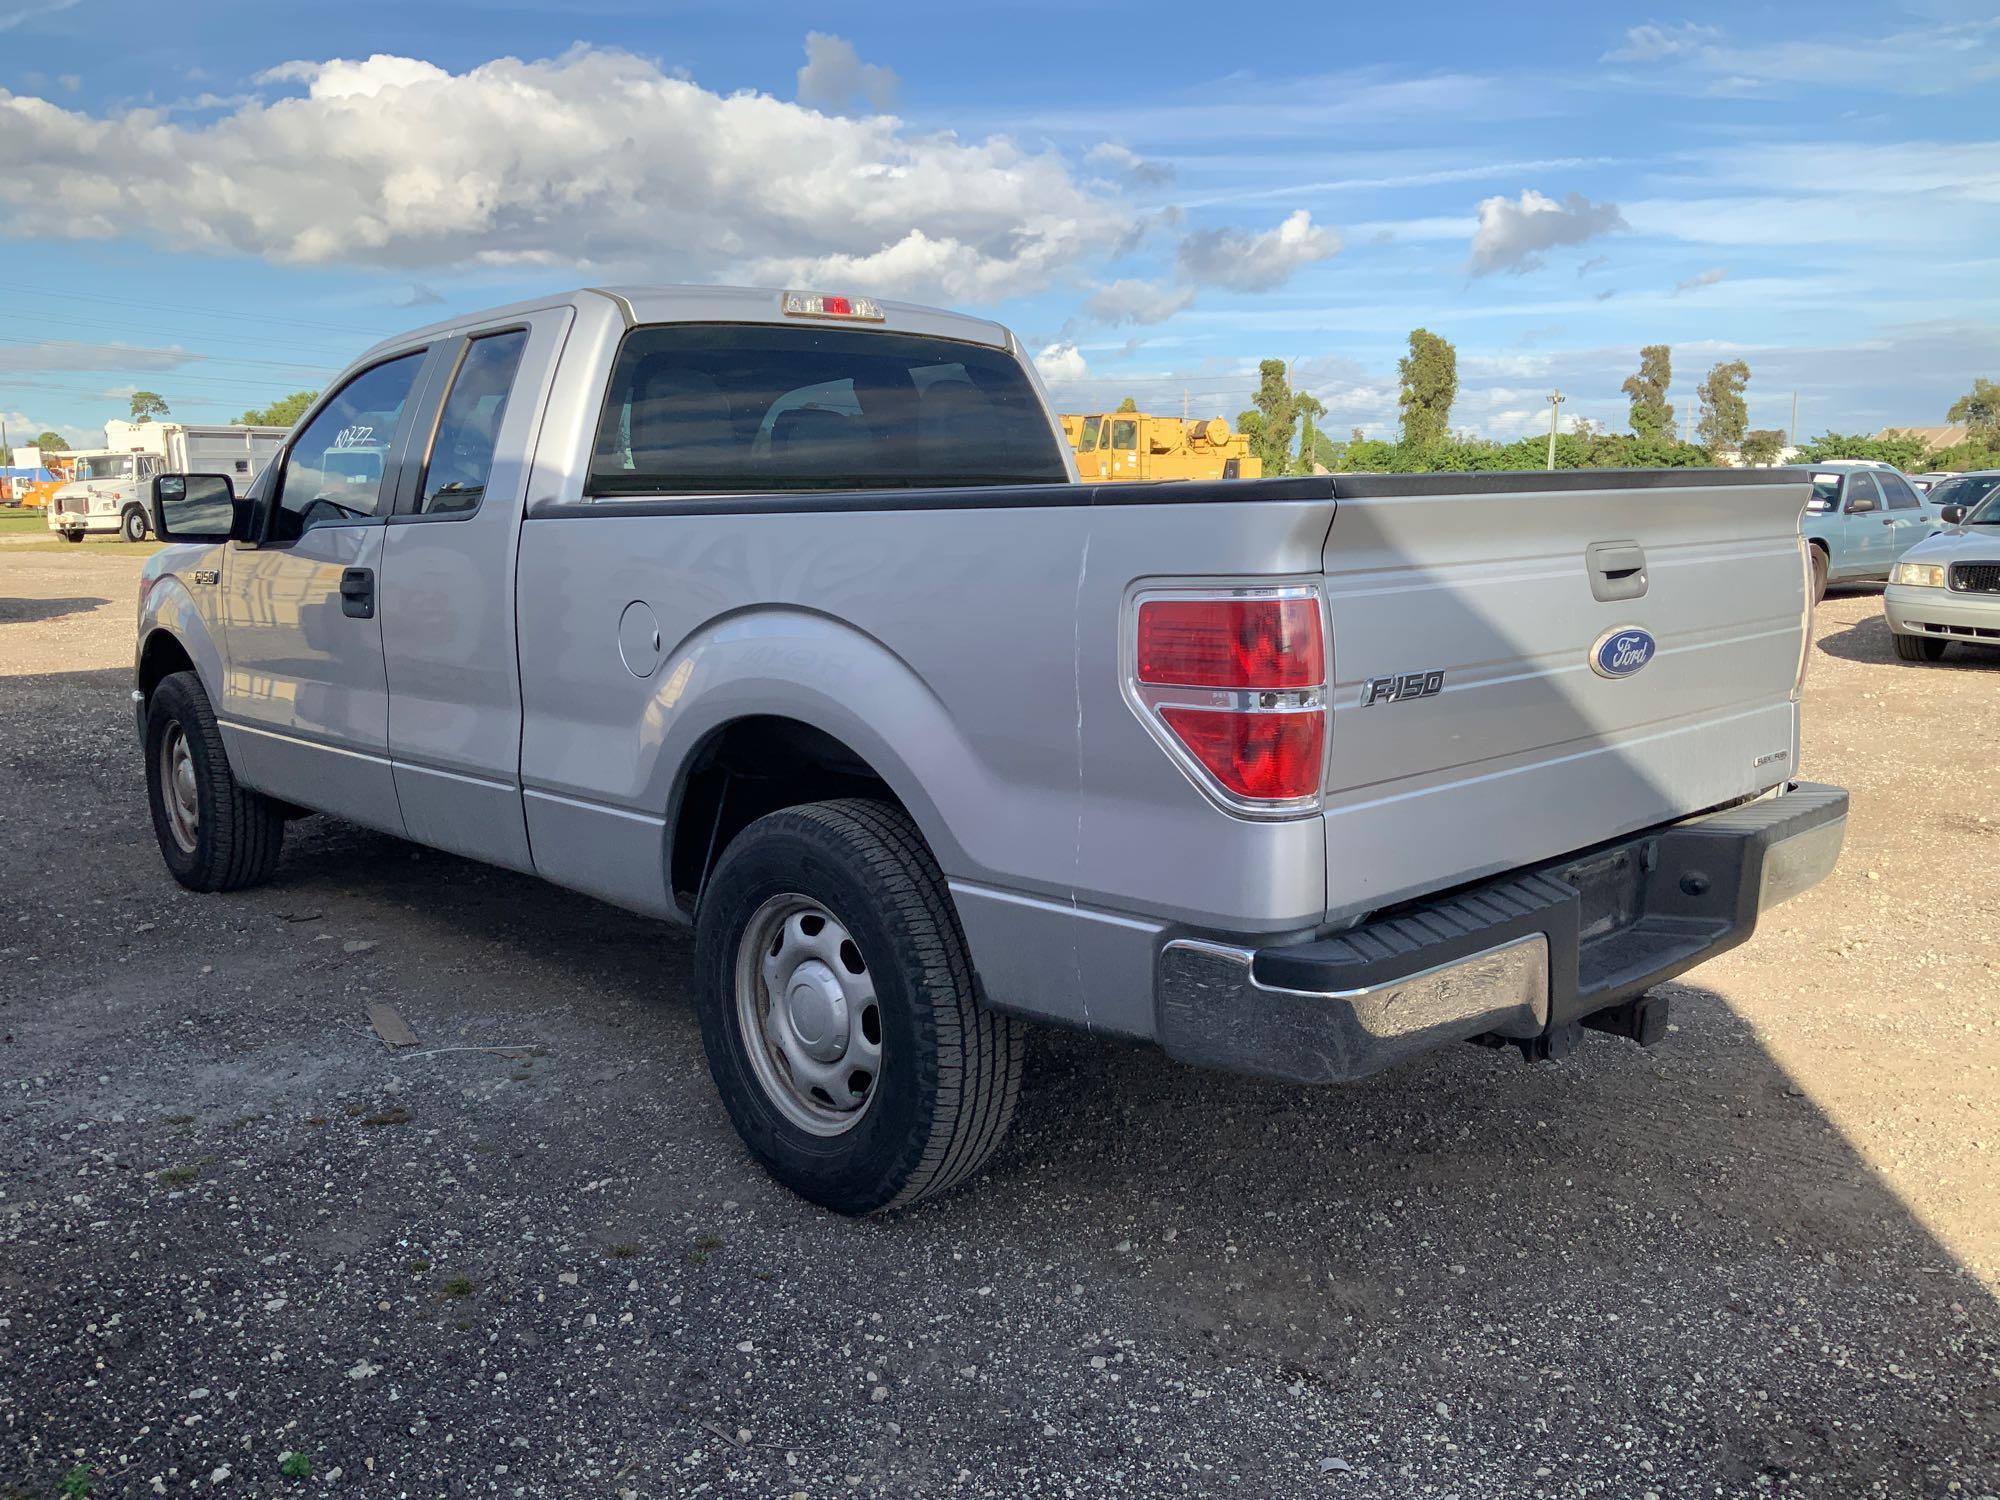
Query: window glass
[(1124, 434), (1090, 426), (1861, 486), (461, 456), (747, 407), (1825, 492), (335, 470), (1901, 496)]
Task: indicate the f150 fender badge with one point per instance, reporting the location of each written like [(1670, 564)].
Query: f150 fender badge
[(1402, 688), (1621, 652)]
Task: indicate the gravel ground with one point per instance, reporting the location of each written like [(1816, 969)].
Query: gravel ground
[(240, 1238)]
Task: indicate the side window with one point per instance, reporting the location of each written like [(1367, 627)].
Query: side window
[(335, 470), (461, 456), (1090, 426), (1124, 434), (1861, 492), (1901, 496)]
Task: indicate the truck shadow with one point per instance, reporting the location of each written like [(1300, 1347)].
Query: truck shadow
[(1871, 641), (31, 611)]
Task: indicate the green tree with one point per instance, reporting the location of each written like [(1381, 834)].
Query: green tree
[(1309, 440), (1903, 452), (1128, 404), (286, 410), (51, 442), (1429, 373), (148, 406), (1724, 413), (1762, 445), (1978, 409), (1272, 419), (1652, 416)]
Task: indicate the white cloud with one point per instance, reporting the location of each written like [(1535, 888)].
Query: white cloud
[(1124, 159), (1062, 361), (64, 354), (834, 76), (22, 430), (1656, 43), (1137, 302), (1247, 262), (1701, 279), (592, 159), (20, 15), (1513, 235)]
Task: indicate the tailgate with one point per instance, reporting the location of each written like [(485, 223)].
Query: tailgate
[(1471, 732)]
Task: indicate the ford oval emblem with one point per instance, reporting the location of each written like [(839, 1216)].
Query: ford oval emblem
[(1621, 652)]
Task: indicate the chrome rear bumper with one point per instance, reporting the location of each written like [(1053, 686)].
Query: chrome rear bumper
[(1509, 959)]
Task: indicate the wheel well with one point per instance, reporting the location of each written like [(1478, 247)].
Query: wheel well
[(163, 656), (748, 768), (1817, 545)]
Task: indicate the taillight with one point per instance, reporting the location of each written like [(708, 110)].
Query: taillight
[(1233, 683)]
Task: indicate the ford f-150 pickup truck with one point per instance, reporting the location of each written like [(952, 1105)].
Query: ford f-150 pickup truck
[(783, 615)]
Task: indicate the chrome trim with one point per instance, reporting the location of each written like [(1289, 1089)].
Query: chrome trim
[(1213, 1011)]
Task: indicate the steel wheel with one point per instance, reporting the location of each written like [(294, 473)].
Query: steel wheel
[(177, 788), (809, 1017)]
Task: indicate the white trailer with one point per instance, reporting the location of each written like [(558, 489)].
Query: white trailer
[(109, 493)]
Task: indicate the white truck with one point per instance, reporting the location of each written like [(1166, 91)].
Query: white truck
[(783, 616), (112, 484)]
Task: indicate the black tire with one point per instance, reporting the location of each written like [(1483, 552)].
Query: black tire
[(71, 536), (951, 1070), (1918, 647), (132, 526), (239, 832), (1819, 566)]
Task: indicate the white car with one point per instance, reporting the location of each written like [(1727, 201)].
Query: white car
[(1947, 587)]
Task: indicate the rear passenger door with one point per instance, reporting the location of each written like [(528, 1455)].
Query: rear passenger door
[(448, 618), (1906, 509)]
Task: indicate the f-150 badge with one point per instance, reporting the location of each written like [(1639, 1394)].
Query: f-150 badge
[(1621, 652), (1402, 688)]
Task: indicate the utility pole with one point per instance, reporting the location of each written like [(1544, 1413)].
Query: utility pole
[(1795, 419), (1555, 411)]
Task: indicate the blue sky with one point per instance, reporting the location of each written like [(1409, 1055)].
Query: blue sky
[(223, 205)]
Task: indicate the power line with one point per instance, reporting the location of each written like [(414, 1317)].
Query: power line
[(203, 312)]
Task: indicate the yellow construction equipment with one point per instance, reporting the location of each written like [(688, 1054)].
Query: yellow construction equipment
[(1133, 445)]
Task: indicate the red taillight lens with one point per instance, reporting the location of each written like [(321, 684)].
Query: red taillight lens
[(1271, 644), (1264, 756)]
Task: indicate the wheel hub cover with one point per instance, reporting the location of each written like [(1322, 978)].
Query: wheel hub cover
[(816, 1009)]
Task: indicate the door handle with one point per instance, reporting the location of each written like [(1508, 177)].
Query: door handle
[(357, 593)]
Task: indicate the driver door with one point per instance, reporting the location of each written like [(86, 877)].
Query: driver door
[(305, 710)]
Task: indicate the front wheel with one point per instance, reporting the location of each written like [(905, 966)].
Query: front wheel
[(133, 526), (215, 833), (838, 1010), (71, 536), (1918, 647)]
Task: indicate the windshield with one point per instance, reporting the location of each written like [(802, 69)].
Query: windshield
[(1988, 513), (1967, 490), (105, 466), (1090, 426), (722, 408), (1826, 490)]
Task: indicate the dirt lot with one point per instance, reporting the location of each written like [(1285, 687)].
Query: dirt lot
[(527, 1257)]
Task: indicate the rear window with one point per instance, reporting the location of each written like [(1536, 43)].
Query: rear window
[(724, 408)]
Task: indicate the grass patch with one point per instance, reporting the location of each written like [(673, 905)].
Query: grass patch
[(624, 1252), (180, 1176), (180, 1119), (458, 1286), (75, 1483), (418, 1267), (295, 1466), (704, 1246), (395, 1114)]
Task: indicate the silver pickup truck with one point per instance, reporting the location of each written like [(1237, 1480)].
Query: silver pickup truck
[(784, 616)]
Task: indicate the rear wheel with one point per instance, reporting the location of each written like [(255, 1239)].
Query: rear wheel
[(838, 1011), (1919, 647), (215, 833), (1819, 566)]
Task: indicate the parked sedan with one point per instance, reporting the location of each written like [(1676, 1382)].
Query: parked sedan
[(1862, 516), (1947, 587), (1964, 491)]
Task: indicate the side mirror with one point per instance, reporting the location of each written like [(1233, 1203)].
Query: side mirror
[(194, 507), (1951, 515), (1860, 507)]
